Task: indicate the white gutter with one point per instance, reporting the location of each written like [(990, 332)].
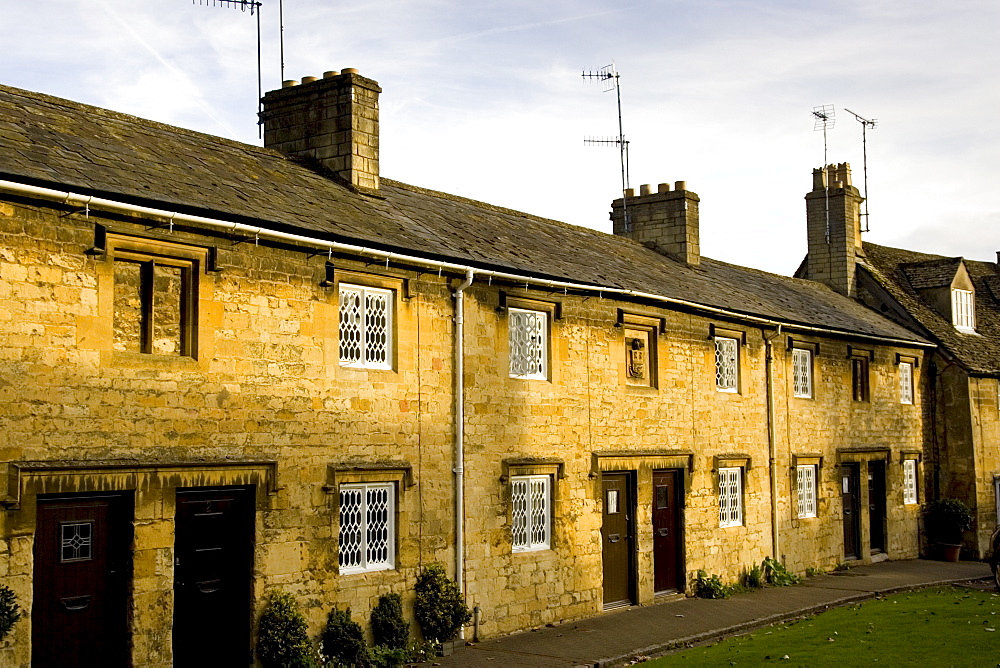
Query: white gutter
[(459, 469), (173, 216)]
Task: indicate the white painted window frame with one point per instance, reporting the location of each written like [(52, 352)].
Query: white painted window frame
[(802, 373), (727, 364), (906, 382), (963, 310), (366, 564), (528, 330), (910, 494), (805, 483), (364, 359), (731, 497), (531, 512)]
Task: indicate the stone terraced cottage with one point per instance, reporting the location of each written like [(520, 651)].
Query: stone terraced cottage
[(952, 301), (228, 371)]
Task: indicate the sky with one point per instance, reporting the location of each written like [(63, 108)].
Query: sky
[(486, 99)]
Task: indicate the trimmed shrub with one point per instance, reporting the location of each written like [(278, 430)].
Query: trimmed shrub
[(388, 626), (10, 611), (344, 641), (439, 609), (946, 520), (283, 635)]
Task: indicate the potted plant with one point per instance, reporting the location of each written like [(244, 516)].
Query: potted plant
[(946, 521)]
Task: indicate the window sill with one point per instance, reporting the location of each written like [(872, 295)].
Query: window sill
[(362, 571)]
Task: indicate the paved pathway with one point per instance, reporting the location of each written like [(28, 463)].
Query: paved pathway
[(615, 637)]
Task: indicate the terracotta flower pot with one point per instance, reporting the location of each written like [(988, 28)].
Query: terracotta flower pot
[(950, 552)]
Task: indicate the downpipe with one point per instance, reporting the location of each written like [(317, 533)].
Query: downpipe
[(459, 469)]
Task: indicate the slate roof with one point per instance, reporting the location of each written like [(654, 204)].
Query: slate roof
[(980, 352), (932, 273), (60, 144)]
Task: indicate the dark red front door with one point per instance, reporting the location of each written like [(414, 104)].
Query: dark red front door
[(213, 559), (617, 537), (667, 524), (80, 578)]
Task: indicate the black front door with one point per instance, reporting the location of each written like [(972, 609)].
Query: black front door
[(850, 494), (213, 560), (81, 571), (617, 536), (876, 505), (667, 522)]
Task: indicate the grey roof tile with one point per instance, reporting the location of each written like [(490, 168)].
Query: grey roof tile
[(980, 352), (65, 145)]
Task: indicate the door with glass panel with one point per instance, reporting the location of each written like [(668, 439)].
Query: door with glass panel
[(617, 538)]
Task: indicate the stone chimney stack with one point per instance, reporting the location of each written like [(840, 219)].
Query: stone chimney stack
[(665, 220), (833, 222), (332, 122)]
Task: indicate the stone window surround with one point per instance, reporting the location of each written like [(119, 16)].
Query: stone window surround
[(807, 459), (717, 333), (554, 470), (651, 326), (553, 312), (812, 348), (860, 360), (913, 361), (191, 259), (397, 473), (391, 496), (398, 286)]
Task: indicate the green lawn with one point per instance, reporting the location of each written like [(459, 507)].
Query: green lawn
[(948, 626)]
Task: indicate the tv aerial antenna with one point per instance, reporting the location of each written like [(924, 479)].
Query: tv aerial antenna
[(866, 124), (253, 6), (609, 77), (824, 118)]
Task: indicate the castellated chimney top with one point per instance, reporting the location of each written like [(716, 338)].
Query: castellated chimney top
[(665, 220), (837, 176), (331, 122)]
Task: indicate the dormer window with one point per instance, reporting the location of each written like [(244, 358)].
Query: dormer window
[(963, 311)]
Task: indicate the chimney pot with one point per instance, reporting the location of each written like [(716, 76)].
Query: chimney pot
[(680, 185), (349, 70), (288, 83), (663, 188), (630, 192), (998, 257), (306, 80), (645, 189), (329, 74)]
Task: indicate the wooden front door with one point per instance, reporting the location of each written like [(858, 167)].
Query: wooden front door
[(213, 559), (667, 523), (617, 539), (78, 614), (876, 505), (850, 494)]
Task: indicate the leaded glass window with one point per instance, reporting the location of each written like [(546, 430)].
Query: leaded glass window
[(727, 364), (76, 541), (730, 497), (963, 310), (905, 383), (528, 336), (909, 481), (805, 478), (530, 523), (802, 377), (367, 527), (365, 327)]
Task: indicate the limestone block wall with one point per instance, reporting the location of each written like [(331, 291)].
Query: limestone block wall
[(263, 401), (266, 385), (985, 405)]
